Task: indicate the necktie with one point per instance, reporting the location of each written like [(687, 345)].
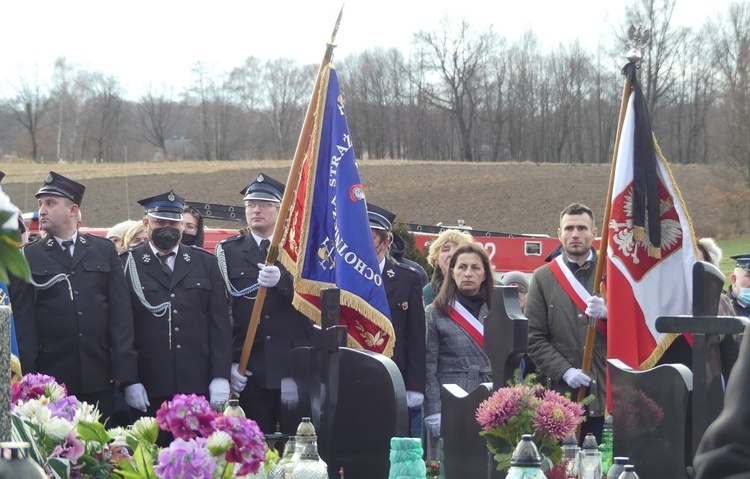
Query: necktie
[(66, 245), (163, 257), (264, 244)]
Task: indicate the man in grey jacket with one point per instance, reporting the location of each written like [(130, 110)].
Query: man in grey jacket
[(558, 305)]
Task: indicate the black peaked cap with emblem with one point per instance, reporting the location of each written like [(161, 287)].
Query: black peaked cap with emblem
[(743, 261), (58, 185), (380, 218), (166, 206), (264, 188)]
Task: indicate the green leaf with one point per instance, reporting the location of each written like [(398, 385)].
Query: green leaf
[(22, 433), (93, 431), (228, 472), (60, 467), (144, 462), (503, 461)]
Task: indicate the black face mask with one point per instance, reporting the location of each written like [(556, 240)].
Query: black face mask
[(188, 239), (165, 238)]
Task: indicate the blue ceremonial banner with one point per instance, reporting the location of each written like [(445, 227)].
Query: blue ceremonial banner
[(328, 242)]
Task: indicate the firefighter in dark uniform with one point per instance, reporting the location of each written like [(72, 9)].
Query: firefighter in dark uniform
[(180, 313), (282, 328), (403, 288), (739, 290), (74, 319)]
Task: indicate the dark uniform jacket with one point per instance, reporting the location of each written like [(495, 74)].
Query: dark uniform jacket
[(200, 331), (281, 326), (403, 289), (82, 334)]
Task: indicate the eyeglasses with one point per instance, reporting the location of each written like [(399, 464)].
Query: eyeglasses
[(264, 205)]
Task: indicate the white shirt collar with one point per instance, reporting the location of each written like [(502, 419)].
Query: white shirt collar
[(382, 265), (73, 238)]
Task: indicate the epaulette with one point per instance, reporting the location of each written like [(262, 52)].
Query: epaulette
[(90, 237), (232, 238), (198, 248), (406, 266)]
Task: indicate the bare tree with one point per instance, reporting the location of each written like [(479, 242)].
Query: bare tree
[(453, 58), (29, 107), (155, 115)]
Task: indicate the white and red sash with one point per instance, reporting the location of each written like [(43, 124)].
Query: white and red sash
[(572, 287), (458, 313)]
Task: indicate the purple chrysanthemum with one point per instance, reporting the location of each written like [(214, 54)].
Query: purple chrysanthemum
[(33, 386), (186, 460)]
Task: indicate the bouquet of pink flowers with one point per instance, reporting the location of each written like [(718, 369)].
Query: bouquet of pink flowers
[(64, 434), (67, 439), (527, 409), (207, 444)]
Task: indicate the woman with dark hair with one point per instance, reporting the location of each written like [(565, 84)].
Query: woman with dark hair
[(193, 233), (455, 329)]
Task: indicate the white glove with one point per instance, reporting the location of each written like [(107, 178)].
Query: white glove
[(136, 397), (219, 392), (595, 307), (238, 381), (269, 276), (433, 424), (289, 393), (575, 378), (414, 399)]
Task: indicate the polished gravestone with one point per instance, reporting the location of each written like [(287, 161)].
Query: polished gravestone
[(356, 399), (706, 329), (650, 410), (465, 452)]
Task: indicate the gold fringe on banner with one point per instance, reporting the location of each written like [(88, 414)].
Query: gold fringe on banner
[(638, 233), (654, 251)]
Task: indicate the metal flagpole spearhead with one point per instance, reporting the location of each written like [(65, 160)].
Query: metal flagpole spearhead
[(336, 26), (638, 37)]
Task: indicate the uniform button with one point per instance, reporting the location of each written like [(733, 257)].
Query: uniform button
[(80, 335), (242, 273), (75, 292), (176, 329), (80, 313), (179, 347), (73, 273), (198, 284), (266, 317), (174, 311), (171, 295), (580, 315), (268, 338)]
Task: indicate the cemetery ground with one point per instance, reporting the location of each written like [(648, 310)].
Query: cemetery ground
[(511, 197)]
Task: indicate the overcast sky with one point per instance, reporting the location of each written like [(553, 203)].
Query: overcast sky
[(159, 41)]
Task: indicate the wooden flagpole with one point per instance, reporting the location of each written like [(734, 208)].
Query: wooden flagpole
[(291, 184)]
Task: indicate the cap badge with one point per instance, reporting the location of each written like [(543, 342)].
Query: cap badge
[(171, 196), (390, 273), (260, 178), (186, 257), (49, 178), (146, 258), (405, 305)]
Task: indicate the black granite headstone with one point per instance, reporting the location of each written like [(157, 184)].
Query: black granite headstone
[(705, 327), (505, 339), (650, 410), (356, 399)]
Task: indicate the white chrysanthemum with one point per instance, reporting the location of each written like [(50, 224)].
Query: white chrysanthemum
[(6, 205), (117, 435), (35, 410), (86, 412), (146, 429), (219, 442), (57, 428), (54, 391)]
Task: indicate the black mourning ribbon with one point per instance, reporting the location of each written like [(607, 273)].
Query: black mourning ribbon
[(163, 257), (264, 245), (66, 245)]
